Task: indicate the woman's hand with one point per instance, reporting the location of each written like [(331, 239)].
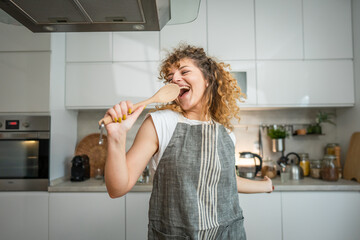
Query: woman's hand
[(123, 118), (268, 187)]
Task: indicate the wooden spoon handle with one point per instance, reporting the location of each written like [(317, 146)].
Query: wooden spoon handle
[(106, 120)]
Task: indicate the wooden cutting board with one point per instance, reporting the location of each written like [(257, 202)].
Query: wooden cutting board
[(352, 162)]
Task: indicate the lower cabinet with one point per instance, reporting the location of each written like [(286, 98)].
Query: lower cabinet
[(137, 208), (24, 215), (262, 215), (321, 215), (88, 216)]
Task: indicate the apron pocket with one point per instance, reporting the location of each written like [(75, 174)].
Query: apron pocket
[(163, 236), (235, 230)]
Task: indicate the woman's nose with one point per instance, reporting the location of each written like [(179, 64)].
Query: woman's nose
[(176, 78)]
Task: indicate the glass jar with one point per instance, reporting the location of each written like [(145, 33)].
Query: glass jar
[(329, 169), (305, 163), (268, 168), (315, 168)]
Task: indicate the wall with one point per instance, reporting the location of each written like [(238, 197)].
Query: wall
[(348, 118), (63, 122)]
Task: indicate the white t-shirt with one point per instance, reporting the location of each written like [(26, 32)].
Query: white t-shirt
[(165, 122)]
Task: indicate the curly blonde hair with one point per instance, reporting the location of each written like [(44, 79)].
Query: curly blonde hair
[(223, 93)]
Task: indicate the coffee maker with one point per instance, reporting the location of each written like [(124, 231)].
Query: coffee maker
[(80, 169)]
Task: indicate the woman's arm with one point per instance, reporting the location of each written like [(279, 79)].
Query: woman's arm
[(123, 169), (251, 186)]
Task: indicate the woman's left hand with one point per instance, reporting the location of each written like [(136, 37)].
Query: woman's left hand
[(268, 186)]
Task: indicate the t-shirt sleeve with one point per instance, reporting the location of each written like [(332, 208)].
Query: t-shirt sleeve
[(165, 123)]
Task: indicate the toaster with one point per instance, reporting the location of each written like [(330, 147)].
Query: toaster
[(80, 168)]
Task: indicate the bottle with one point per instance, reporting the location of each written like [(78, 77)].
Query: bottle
[(329, 169), (305, 163)]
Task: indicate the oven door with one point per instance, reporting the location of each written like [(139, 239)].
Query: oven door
[(24, 162)]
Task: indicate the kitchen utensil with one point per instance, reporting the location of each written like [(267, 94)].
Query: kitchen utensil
[(246, 165), (352, 162), (296, 172), (97, 154), (165, 94)]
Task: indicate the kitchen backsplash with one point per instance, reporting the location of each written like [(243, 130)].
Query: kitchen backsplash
[(247, 132)]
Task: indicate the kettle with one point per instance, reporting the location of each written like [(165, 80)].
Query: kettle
[(246, 165), (296, 172)]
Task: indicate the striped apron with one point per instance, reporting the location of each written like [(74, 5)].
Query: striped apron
[(194, 192)]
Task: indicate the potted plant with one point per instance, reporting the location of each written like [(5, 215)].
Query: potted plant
[(321, 117), (278, 135)]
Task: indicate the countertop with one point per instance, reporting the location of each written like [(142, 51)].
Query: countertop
[(306, 184)]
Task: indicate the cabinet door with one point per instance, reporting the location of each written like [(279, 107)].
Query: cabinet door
[(89, 47), (25, 81), (136, 46), (231, 34), (86, 216), (137, 208), (24, 215), (327, 29), (244, 72), (262, 215), (101, 85), (321, 215), (19, 38), (279, 29), (193, 33), (305, 83)]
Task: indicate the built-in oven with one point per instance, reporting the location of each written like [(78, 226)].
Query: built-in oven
[(24, 153)]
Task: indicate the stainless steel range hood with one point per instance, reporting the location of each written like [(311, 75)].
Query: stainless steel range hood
[(89, 15)]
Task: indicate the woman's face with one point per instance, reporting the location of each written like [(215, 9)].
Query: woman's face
[(192, 82)]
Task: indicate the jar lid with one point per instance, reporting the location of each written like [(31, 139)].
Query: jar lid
[(304, 155), (330, 157)]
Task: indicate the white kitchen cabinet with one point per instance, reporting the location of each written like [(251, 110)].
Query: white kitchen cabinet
[(262, 215), (321, 215), (25, 81), (279, 30), (24, 215), (86, 216), (89, 47), (305, 83), (231, 29), (136, 46), (245, 74), (137, 208), (101, 85), (193, 33), (19, 38), (327, 29)]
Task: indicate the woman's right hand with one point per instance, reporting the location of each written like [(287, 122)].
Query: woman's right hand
[(123, 116)]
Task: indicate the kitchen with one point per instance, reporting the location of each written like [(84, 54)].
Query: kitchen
[(71, 75)]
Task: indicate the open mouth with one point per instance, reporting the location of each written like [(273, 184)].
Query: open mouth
[(183, 90)]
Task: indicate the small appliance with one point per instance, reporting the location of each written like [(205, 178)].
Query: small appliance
[(248, 165), (80, 169)]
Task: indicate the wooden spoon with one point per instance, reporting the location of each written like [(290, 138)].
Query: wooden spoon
[(165, 94)]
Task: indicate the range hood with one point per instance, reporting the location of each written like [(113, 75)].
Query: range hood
[(89, 15)]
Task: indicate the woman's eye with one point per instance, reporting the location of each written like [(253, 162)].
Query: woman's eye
[(185, 72)]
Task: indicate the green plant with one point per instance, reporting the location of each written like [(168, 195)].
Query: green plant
[(323, 117), (277, 133)]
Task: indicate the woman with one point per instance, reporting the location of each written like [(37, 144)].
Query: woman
[(195, 187)]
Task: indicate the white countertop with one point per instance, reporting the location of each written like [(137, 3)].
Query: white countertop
[(306, 184)]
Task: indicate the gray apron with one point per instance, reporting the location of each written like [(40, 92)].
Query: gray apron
[(194, 192)]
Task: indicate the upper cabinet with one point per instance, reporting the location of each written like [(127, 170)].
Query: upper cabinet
[(19, 38), (231, 29), (101, 85), (315, 83), (89, 47), (25, 81), (327, 29), (136, 46), (279, 31), (193, 33)]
